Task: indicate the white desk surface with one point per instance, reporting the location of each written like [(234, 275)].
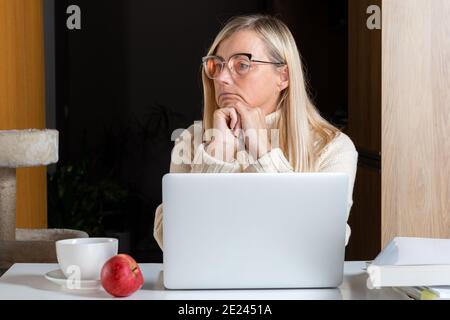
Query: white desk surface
[(26, 281)]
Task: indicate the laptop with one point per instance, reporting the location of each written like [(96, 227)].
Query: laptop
[(254, 230)]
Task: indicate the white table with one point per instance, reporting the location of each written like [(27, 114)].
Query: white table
[(26, 281)]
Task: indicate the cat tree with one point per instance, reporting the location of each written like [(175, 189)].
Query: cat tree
[(18, 149)]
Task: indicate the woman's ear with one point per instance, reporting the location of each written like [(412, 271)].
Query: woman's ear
[(283, 82)]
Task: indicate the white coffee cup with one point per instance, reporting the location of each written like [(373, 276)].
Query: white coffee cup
[(85, 256)]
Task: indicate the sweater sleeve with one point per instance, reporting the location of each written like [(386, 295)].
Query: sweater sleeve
[(272, 161), (341, 156), (203, 162), (186, 158)]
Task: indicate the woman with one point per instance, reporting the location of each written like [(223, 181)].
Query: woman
[(257, 113)]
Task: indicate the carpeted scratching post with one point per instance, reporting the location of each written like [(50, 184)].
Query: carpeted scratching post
[(18, 149)]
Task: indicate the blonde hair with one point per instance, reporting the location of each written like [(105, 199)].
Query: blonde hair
[(303, 132)]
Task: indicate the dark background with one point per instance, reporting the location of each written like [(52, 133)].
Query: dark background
[(131, 76)]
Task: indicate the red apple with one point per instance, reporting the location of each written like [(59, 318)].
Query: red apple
[(121, 276)]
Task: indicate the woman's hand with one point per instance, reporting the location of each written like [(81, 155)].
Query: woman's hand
[(225, 130), (227, 121), (254, 127)]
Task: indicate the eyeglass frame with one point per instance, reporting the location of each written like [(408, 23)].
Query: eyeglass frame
[(248, 55)]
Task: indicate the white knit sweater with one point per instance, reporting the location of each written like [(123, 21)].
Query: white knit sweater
[(339, 156)]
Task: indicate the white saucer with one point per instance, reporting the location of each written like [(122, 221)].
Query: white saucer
[(56, 276)]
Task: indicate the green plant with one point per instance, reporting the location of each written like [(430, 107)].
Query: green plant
[(78, 197), (85, 194)]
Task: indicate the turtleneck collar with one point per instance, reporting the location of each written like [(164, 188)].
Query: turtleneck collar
[(272, 118)]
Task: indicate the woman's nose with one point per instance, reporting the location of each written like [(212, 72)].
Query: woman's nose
[(225, 76)]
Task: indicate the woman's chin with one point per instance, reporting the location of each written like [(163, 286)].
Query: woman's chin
[(228, 101)]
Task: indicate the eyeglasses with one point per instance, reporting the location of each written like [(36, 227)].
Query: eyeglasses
[(239, 63)]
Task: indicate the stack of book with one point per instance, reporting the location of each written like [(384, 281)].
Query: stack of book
[(419, 267)]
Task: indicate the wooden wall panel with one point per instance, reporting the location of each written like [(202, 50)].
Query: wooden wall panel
[(365, 220), (364, 128), (416, 118), (22, 96), (364, 78)]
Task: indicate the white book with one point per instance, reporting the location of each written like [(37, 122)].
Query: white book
[(409, 262)]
